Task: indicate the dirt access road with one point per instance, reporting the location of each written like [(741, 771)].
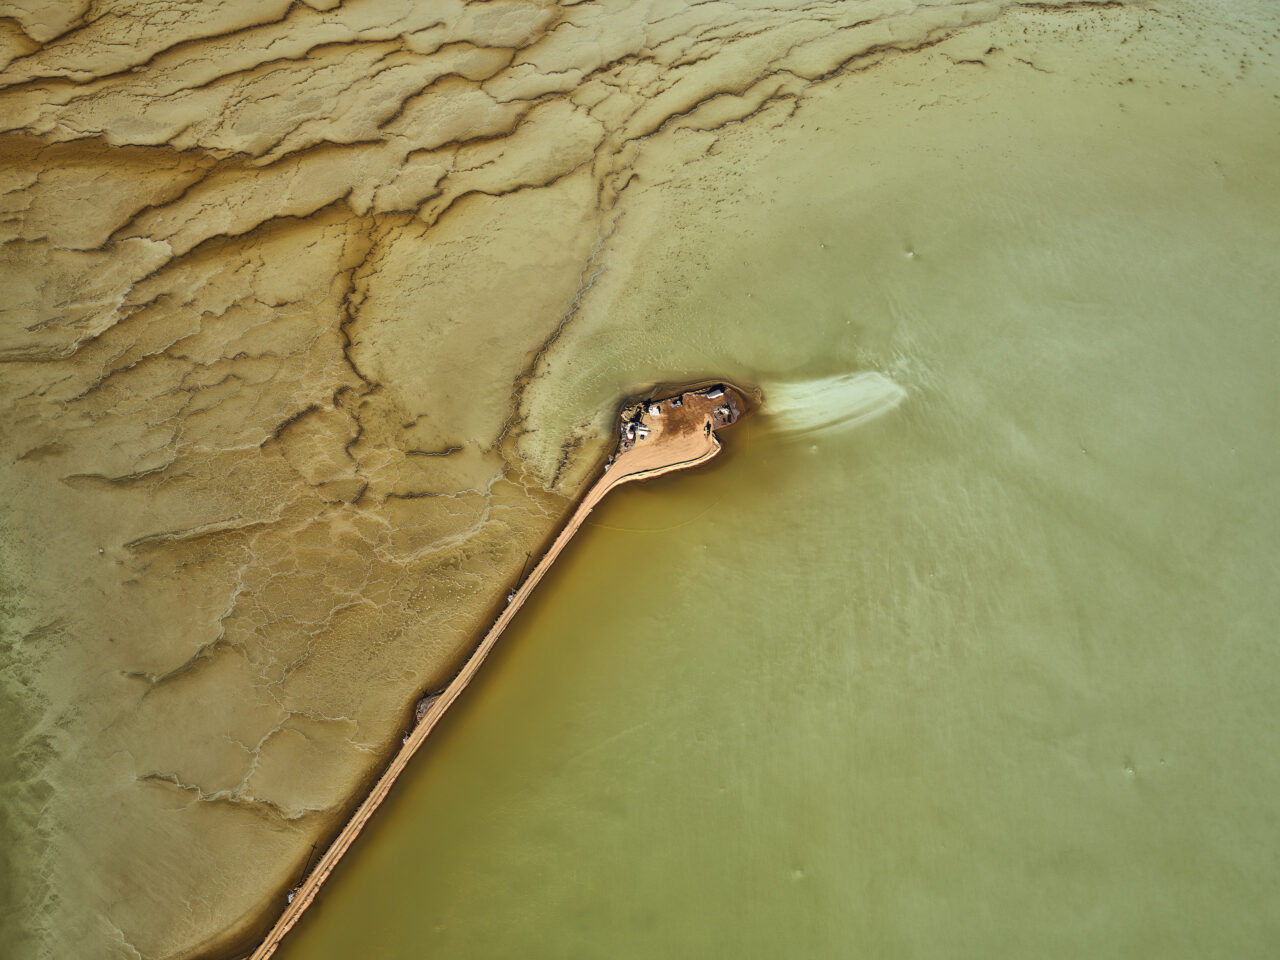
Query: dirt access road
[(655, 437)]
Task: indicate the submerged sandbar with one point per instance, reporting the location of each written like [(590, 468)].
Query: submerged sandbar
[(655, 436)]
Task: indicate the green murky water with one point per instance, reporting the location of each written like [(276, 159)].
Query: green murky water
[(991, 674)]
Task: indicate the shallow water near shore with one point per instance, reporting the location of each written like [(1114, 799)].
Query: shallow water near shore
[(990, 673)]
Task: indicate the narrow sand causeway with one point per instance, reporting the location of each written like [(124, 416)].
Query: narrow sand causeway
[(655, 437)]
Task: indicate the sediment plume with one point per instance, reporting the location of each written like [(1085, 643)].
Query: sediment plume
[(831, 404)]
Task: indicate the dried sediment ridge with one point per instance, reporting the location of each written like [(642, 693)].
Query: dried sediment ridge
[(279, 278), (657, 437)]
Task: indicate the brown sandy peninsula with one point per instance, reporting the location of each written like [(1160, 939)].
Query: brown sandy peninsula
[(656, 436)]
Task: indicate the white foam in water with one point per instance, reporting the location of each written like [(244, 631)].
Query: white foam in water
[(840, 403)]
